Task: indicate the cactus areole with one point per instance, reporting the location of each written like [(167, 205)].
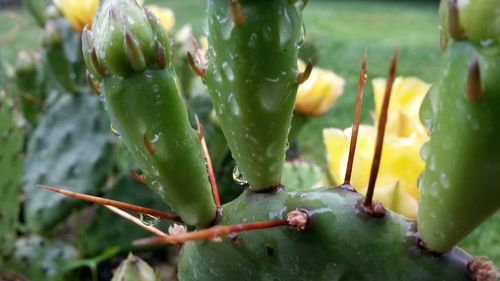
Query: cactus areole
[(251, 76), (130, 54)]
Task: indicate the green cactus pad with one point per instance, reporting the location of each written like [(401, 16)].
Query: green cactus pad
[(40, 259), (11, 164), (130, 51), (460, 185), (70, 148), (134, 269), (301, 175), (29, 83), (341, 243), (251, 77)]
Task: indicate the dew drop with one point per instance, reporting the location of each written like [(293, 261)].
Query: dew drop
[(252, 42), (235, 107), (238, 176), (228, 71), (149, 220), (267, 32), (114, 130), (445, 182)]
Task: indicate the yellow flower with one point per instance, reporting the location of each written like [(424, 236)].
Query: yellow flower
[(401, 163), (407, 95), (165, 15), (78, 12), (317, 95)]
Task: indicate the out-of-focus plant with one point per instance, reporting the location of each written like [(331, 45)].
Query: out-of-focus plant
[(401, 163)]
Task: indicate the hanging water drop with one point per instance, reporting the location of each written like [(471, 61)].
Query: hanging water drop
[(238, 176), (149, 220), (114, 130)]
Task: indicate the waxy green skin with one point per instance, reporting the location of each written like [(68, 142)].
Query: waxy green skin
[(141, 94), (149, 102), (251, 76), (11, 162), (341, 243), (460, 186)]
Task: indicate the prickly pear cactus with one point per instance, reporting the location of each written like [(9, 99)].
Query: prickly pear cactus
[(251, 77), (134, 269), (301, 175), (39, 259), (141, 93), (11, 163), (460, 185), (70, 147), (335, 246)]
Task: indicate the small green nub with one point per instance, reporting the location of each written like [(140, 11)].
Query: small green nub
[(126, 40), (134, 269)]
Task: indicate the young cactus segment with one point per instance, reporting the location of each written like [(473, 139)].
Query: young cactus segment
[(460, 190), (251, 76), (339, 243), (11, 163), (134, 269), (140, 92)]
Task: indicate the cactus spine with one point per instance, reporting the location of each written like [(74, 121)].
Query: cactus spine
[(251, 76), (140, 91), (460, 190)]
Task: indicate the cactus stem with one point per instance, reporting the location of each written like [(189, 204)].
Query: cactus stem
[(474, 87), (98, 67), (211, 173), (137, 221), (161, 56), (200, 71), (237, 13), (482, 269), (114, 203), (443, 42), (137, 177), (149, 147), (381, 131), (210, 233), (298, 219), (302, 77), (457, 32), (93, 84), (357, 118), (134, 52)]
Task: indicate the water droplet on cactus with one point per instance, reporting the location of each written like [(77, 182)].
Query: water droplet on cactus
[(285, 29), (238, 176), (235, 107), (227, 26), (228, 71), (252, 42), (149, 220), (302, 35), (445, 182), (114, 130), (424, 151), (267, 32), (155, 138)]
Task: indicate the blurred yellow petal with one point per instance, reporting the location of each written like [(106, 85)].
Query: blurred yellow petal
[(400, 165), (403, 116), (165, 15), (318, 93), (78, 12)]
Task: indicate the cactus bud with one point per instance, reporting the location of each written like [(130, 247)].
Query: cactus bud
[(134, 269), (126, 39)]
